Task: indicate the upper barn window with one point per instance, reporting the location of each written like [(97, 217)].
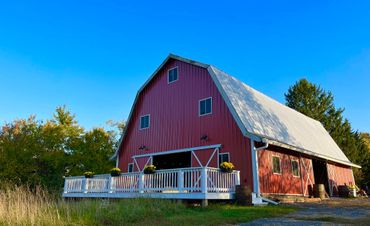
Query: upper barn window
[(173, 75), (205, 106), (276, 165), (144, 121), (295, 168)]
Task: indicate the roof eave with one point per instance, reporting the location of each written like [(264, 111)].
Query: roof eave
[(304, 151)]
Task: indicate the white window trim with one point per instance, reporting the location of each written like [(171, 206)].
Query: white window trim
[(128, 167), (223, 153), (140, 128), (272, 162), (199, 106), (291, 163), (168, 75)]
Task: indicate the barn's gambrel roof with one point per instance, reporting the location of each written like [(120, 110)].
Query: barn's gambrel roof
[(263, 118)]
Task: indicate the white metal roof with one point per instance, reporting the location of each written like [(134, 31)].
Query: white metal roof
[(267, 118), (259, 116)]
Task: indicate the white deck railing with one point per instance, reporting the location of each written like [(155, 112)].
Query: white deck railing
[(179, 181)]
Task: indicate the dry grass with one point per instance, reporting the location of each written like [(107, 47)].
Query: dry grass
[(20, 206)]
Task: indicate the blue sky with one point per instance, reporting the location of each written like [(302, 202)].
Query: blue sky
[(94, 55)]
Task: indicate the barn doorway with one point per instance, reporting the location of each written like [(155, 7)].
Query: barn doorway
[(320, 172), (172, 161)]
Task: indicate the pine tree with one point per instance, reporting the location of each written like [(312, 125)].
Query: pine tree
[(318, 104)]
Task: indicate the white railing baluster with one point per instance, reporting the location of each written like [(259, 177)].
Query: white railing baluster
[(185, 180)]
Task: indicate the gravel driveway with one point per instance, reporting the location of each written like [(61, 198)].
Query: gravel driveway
[(329, 212)]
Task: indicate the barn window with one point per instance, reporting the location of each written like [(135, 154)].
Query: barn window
[(205, 106), (130, 167), (173, 75), (223, 157), (144, 121), (295, 168), (276, 167)]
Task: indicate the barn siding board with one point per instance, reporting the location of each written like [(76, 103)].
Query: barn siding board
[(339, 175), (175, 124), (284, 183)]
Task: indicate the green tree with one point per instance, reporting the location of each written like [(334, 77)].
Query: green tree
[(93, 153), (317, 103), (36, 153), (366, 138)]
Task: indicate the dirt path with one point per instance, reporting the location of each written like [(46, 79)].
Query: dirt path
[(328, 212)]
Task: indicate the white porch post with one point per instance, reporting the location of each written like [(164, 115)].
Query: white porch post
[(110, 184), (86, 184), (180, 180), (65, 185), (237, 179), (256, 183), (204, 188), (141, 182), (204, 180)]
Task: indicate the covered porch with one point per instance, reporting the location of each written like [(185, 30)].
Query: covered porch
[(183, 183)]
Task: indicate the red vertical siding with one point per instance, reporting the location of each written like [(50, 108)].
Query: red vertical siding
[(175, 124), (284, 183), (339, 175)]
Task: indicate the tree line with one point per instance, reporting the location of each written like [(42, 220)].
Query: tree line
[(313, 101), (34, 152)]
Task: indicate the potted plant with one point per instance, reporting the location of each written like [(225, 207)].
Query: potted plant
[(149, 169), (115, 172), (227, 167), (89, 174)]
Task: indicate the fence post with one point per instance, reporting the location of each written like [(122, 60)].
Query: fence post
[(110, 184), (65, 185), (85, 182), (203, 180), (237, 180), (141, 182), (180, 180)]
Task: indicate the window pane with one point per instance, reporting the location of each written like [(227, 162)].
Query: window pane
[(208, 106), (276, 164), (223, 157), (205, 106), (144, 121), (295, 168), (202, 107), (172, 75)]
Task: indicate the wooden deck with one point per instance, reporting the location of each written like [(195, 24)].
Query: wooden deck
[(186, 183)]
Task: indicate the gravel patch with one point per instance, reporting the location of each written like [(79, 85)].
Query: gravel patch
[(329, 212)]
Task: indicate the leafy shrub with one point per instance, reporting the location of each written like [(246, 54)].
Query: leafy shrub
[(227, 167)]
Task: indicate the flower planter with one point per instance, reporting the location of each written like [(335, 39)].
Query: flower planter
[(115, 172), (149, 169), (227, 167), (89, 174)]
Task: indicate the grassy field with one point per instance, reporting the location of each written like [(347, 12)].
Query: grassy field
[(19, 206)]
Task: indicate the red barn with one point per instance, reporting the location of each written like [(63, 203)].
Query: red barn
[(190, 115)]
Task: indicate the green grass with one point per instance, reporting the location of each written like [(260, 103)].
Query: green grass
[(19, 206), (162, 212)]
